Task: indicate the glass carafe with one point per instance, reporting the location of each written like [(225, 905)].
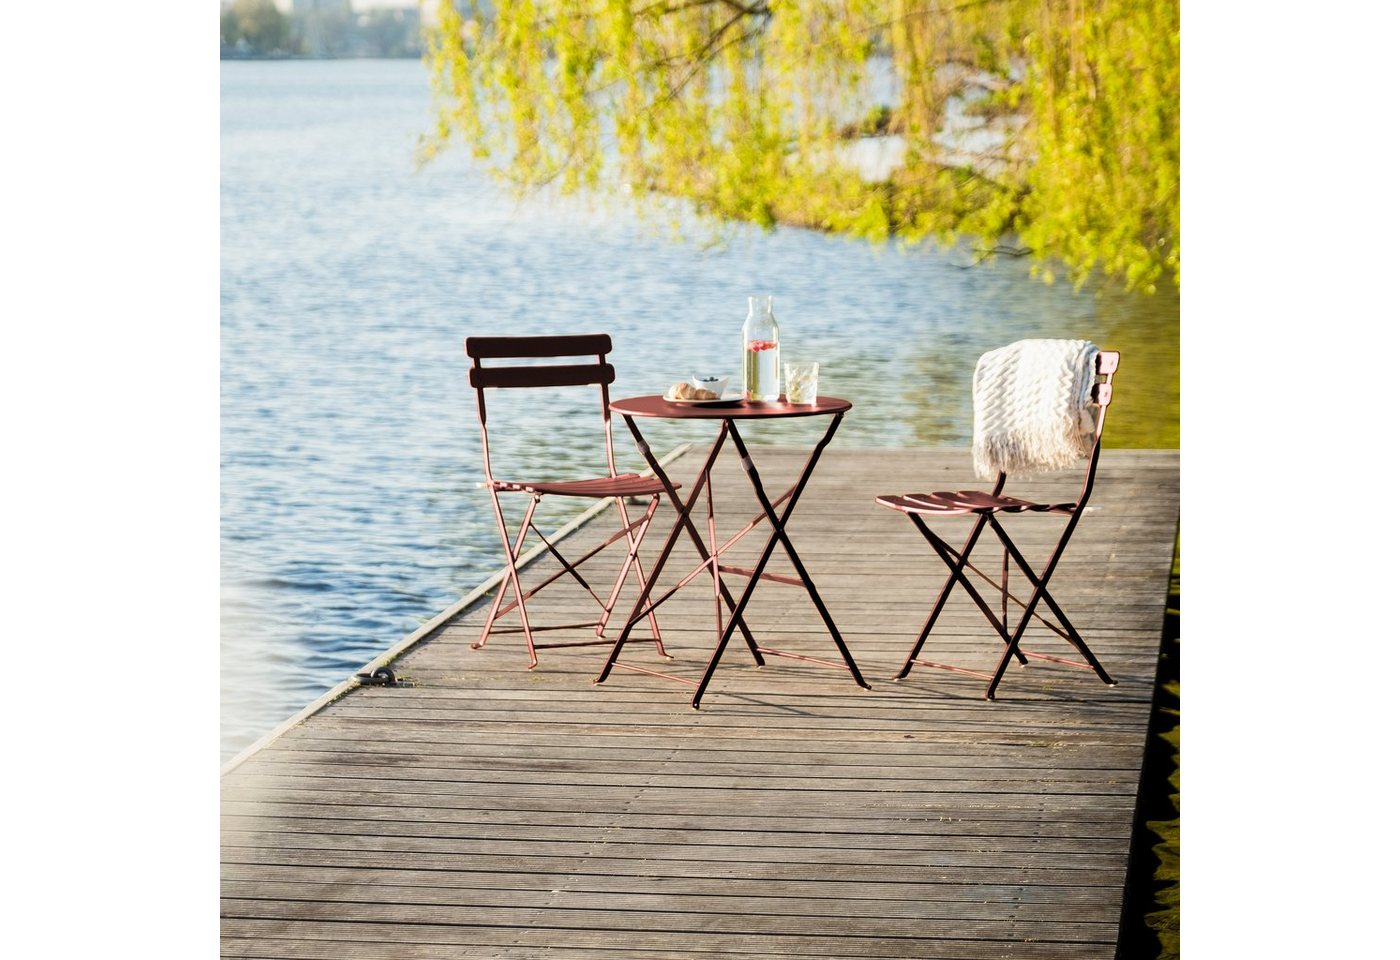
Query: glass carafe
[(762, 371)]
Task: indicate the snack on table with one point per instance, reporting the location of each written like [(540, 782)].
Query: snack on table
[(685, 391)]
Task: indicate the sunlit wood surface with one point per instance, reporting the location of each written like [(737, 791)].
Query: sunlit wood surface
[(488, 811)]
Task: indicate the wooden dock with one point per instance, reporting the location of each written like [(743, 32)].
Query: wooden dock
[(488, 811)]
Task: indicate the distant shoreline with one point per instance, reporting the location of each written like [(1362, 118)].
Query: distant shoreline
[(310, 56)]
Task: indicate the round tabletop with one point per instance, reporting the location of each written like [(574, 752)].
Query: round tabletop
[(656, 405)]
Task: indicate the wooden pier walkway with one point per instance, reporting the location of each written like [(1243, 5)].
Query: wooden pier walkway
[(492, 812)]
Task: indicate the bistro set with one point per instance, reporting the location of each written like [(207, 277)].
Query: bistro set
[(1039, 405)]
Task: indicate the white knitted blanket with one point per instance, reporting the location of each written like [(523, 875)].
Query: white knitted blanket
[(1031, 410)]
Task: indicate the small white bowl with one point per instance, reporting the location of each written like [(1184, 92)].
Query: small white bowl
[(715, 384)]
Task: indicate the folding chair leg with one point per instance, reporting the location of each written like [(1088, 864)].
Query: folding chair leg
[(641, 576), (601, 626), (634, 565), (1005, 589), (956, 562), (567, 566), (1078, 642), (942, 596), (1013, 645), (512, 553), (492, 614), (1041, 585)]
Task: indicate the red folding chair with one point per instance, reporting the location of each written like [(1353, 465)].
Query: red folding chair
[(987, 507), (615, 486)]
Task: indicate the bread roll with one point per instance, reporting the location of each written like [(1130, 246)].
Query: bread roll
[(687, 391)]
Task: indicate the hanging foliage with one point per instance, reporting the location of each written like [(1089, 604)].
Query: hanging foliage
[(1041, 128)]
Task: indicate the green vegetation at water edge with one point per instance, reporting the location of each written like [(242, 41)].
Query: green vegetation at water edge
[(1045, 128)]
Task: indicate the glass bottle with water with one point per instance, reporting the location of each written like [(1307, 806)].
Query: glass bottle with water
[(762, 376)]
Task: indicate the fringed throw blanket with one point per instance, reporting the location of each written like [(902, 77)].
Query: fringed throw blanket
[(1031, 410)]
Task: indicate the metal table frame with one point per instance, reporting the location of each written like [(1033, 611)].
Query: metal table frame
[(710, 554)]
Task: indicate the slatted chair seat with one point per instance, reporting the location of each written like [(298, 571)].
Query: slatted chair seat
[(963, 502), (987, 505), (622, 485), (615, 486)]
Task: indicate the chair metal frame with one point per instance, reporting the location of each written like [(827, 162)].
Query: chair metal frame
[(985, 506), (615, 486)]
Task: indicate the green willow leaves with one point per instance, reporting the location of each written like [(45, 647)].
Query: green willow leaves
[(1046, 129)]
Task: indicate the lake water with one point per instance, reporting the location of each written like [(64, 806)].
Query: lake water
[(350, 454)]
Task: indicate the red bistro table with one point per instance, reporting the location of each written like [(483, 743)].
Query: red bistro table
[(658, 407)]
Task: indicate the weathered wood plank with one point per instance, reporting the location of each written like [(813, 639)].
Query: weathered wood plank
[(752, 921), (751, 833), (895, 905), (814, 874), (894, 893)]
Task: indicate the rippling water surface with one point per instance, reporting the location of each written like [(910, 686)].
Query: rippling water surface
[(350, 451)]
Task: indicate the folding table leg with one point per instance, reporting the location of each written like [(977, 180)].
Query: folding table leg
[(683, 521), (778, 534), (708, 555), (714, 552), (642, 602)]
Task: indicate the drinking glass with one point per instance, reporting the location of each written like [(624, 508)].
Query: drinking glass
[(801, 382)]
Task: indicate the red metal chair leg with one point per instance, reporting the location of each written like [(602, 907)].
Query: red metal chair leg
[(943, 594), (956, 564), (1005, 589), (633, 565), (566, 568), (511, 554), (1075, 640), (494, 612), (1014, 641), (600, 627), (1041, 587), (641, 576)]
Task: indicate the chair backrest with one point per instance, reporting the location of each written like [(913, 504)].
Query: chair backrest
[(569, 375), (599, 373), (1101, 393), (1105, 366)]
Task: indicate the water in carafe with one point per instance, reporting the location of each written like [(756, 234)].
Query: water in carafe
[(762, 377)]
